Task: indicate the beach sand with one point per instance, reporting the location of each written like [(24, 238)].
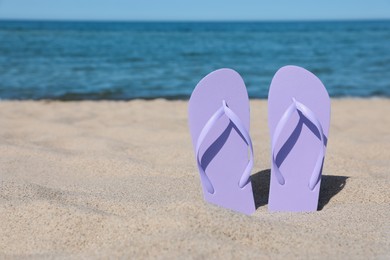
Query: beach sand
[(95, 179)]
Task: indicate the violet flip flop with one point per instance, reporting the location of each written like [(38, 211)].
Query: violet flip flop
[(219, 125), (298, 118)]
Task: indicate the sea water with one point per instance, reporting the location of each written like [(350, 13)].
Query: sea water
[(128, 60)]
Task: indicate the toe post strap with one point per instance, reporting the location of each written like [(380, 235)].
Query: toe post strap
[(224, 110), (296, 106)]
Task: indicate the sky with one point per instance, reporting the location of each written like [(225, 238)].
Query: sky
[(195, 10)]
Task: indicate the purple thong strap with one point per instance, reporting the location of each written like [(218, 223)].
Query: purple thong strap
[(309, 114), (224, 110)]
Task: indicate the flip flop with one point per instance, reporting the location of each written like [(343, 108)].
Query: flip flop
[(219, 125), (298, 118)]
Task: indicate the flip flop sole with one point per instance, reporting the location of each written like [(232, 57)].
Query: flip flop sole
[(298, 145), (224, 153)]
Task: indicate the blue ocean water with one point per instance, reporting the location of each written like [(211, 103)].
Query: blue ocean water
[(127, 60)]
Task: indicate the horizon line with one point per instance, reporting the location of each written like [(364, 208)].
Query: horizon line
[(193, 21)]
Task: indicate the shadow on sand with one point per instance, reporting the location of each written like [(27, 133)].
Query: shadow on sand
[(330, 186)]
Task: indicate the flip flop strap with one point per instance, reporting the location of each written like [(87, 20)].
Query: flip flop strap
[(224, 110), (309, 114)]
